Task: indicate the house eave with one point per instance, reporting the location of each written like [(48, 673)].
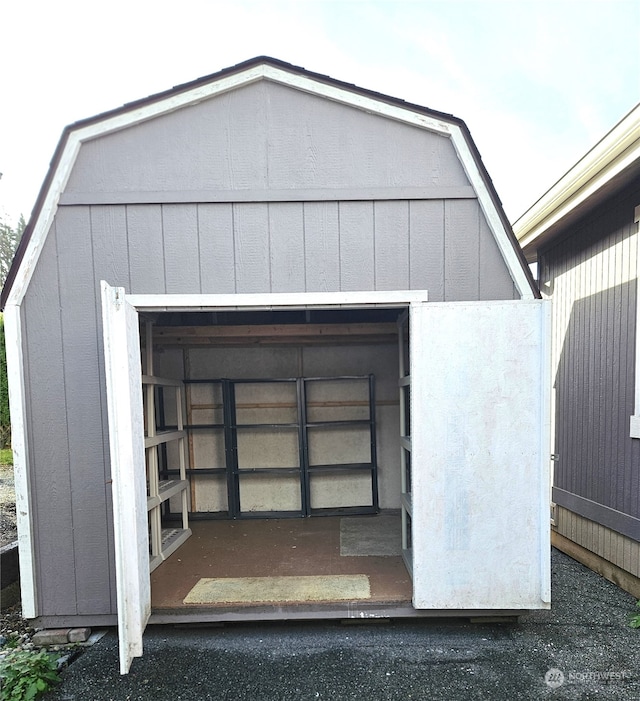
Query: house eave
[(608, 166)]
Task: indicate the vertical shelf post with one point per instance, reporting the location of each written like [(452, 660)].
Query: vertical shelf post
[(404, 387)]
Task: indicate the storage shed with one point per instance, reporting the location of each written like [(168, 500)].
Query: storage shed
[(275, 353), (584, 235)]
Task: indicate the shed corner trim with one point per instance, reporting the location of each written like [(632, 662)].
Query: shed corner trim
[(24, 510)]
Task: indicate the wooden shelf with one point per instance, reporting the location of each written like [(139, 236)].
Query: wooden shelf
[(339, 467), (268, 470), (338, 424), (287, 425), (275, 334), (200, 471)]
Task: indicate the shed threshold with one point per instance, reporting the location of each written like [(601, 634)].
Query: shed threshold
[(326, 611)]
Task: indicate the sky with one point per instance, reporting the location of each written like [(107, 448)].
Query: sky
[(538, 83)]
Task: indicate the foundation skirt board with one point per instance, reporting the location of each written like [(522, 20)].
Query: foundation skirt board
[(288, 589), (368, 536)]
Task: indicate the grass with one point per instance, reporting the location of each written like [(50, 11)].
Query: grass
[(6, 456)]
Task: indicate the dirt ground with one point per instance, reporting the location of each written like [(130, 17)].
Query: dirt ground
[(8, 532)]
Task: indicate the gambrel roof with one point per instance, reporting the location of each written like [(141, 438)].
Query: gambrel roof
[(251, 71)]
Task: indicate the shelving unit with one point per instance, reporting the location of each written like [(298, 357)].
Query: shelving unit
[(163, 541), (350, 415), (404, 386), (206, 409), (263, 449), (279, 437)]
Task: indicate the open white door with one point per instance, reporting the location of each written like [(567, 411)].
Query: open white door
[(126, 442), (480, 455)]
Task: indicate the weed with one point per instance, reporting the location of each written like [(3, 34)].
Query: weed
[(12, 641), (26, 674), (635, 620)]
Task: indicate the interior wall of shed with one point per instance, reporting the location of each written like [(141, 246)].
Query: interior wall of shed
[(275, 402)]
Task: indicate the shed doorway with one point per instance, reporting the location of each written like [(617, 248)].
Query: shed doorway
[(262, 444), (168, 496)]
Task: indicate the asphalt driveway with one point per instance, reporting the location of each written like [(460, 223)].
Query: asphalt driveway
[(582, 649)]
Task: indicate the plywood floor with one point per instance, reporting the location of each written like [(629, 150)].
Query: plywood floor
[(265, 548)]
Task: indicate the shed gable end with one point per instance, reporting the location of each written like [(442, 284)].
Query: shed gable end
[(265, 137)]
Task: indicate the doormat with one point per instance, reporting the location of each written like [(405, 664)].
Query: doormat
[(290, 589), (364, 536)]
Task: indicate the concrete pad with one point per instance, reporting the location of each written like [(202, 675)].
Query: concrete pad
[(279, 589)]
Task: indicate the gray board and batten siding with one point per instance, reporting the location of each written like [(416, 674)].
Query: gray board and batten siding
[(285, 191), (590, 272), (260, 189)]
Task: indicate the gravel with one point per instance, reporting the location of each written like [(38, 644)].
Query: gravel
[(8, 531), (14, 630), (582, 649)]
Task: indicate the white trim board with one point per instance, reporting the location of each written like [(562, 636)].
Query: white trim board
[(276, 300), (19, 443), (76, 137)]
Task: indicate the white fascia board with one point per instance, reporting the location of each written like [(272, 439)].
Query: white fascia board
[(494, 220), (44, 221), (619, 149), (24, 511), (276, 301), (357, 100)]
